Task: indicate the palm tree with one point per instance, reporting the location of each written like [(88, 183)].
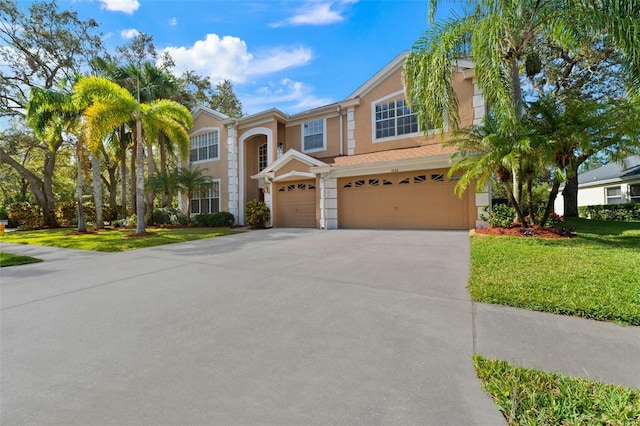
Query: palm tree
[(108, 106), (484, 151), (51, 114), (190, 179), (500, 37)]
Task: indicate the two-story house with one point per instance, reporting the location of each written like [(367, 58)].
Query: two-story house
[(359, 163)]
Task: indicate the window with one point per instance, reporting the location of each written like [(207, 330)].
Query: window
[(313, 136), (262, 157), (394, 118), (204, 147), (613, 195), (634, 193), (206, 198)]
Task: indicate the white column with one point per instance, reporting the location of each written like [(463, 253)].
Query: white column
[(328, 203), (232, 173), (483, 201), (351, 128), (479, 103)]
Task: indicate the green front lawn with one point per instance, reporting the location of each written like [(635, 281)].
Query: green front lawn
[(8, 259), (595, 275), (111, 240), (530, 397)]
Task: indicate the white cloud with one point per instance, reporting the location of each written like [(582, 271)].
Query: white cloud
[(288, 95), (173, 22), (228, 58), (129, 33), (126, 6), (317, 13)]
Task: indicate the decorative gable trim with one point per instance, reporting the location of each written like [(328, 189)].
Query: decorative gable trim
[(290, 155), (212, 112), (380, 76)]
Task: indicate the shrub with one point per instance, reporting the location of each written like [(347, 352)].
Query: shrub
[(161, 216), (215, 220), (66, 211), (25, 215), (501, 215), (257, 213), (3, 213)]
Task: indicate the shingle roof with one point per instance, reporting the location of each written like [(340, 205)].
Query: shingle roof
[(630, 167), (394, 154)]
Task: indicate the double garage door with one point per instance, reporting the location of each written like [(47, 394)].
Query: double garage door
[(295, 204), (421, 199)]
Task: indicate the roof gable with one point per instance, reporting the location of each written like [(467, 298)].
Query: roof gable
[(291, 155), (206, 110), (380, 76)]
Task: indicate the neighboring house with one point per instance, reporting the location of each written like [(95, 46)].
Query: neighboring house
[(360, 162), (613, 183)]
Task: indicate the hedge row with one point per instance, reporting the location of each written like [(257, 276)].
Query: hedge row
[(611, 211)]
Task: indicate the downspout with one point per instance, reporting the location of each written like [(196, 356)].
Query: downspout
[(341, 131)]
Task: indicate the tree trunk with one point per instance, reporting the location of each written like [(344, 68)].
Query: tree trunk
[(151, 170), (134, 161), (123, 171), (37, 185), (570, 196), (140, 229), (551, 201), (112, 184), (49, 209), (166, 195), (82, 224), (515, 204), (97, 191), (532, 213)]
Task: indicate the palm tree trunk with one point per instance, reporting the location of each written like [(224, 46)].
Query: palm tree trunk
[(151, 170), (552, 198), (139, 179), (165, 197), (532, 213), (82, 224), (123, 172), (134, 161), (97, 191)]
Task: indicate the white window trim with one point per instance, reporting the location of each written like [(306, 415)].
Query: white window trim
[(206, 130), (631, 198), (324, 136), (393, 96), (219, 182), (607, 197)]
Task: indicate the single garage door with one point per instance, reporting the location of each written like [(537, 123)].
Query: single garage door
[(295, 204), (422, 199)]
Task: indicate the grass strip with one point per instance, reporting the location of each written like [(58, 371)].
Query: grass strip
[(110, 240), (595, 275), (530, 397), (9, 259)]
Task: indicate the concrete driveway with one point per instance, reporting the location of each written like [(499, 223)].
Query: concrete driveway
[(274, 327)]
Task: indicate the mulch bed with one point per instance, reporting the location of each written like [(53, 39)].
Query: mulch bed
[(520, 231)]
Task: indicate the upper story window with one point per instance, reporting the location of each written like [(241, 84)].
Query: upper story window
[(394, 118), (262, 157), (205, 146), (313, 136)]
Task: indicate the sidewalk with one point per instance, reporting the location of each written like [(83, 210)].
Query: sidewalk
[(578, 347)]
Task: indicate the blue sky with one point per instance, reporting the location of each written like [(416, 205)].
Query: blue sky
[(292, 55)]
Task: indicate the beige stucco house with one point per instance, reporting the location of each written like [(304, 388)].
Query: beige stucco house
[(360, 162)]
